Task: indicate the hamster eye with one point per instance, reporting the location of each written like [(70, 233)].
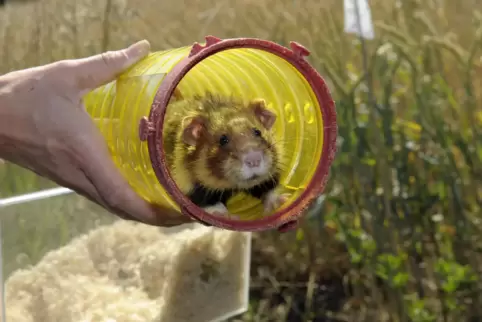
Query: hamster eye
[(223, 140), (256, 132)]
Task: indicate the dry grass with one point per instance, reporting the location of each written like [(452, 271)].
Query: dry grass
[(398, 236)]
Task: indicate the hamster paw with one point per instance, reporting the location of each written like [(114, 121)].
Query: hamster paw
[(219, 209), (274, 200)]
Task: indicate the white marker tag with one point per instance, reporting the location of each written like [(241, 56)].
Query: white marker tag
[(352, 26)]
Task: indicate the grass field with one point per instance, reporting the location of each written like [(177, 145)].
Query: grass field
[(399, 235)]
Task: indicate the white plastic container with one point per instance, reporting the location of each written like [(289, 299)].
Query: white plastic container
[(64, 258)]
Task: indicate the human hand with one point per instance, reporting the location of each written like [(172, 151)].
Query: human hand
[(44, 127)]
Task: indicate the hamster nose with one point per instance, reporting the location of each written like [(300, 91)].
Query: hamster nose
[(253, 159)]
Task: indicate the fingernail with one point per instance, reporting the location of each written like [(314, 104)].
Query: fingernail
[(140, 48)]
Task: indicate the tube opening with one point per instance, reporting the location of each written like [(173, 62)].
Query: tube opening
[(235, 116)]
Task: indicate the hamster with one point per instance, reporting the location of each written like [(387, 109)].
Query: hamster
[(218, 146)]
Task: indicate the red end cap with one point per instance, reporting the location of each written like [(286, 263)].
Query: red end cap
[(283, 219)]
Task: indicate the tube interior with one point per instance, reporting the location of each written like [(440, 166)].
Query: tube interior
[(249, 74)]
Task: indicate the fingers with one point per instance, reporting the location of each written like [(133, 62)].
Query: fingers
[(95, 71), (116, 193)]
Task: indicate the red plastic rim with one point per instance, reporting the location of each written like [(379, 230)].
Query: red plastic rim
[(295, 56)]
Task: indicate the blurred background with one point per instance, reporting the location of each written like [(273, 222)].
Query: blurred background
[(398, 234)]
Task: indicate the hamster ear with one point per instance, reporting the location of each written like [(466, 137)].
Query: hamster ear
[(265, 116), (193, 131)]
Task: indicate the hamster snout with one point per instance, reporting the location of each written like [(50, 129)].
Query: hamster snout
[(254, 164), (253, 159)]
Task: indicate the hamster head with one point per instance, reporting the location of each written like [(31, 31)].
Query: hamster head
[(231, 144)]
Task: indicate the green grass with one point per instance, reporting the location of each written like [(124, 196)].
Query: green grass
[(398, 237)]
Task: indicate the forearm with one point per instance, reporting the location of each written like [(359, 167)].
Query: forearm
[(6, 144), (4, 109), (10, 124)]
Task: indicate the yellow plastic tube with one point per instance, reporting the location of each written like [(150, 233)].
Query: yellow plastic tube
[(129, 112)]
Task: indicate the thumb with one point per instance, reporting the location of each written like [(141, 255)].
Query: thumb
[(95, 71)]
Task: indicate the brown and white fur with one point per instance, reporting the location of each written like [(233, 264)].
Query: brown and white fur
[(218, 146)]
